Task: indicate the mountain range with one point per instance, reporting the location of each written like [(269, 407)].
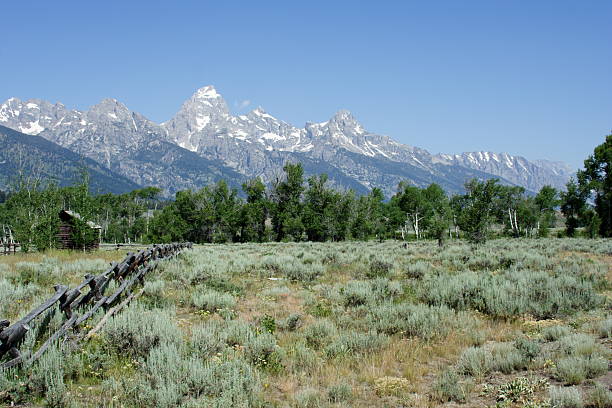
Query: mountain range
[(204, 142)]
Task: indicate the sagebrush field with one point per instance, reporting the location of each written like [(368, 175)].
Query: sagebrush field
[(511, 323)]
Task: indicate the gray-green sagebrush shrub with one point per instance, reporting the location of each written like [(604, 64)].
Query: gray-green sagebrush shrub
[(137, 330), (10, 295), (169, 378), (214, 336), (530, 349), (575, 369), (319, 333), (474, 361), (605, 328), (352, 342), (211, 300), (13, 384), (426, 322), (339, 393), (600, 397), (258, 347), (294, 269), (480, 361), (47, 378), (561, 397), (449, 387), (418, 269), (379, 269), (512, 293), (554, 333), (359, 293), (308, 398), (578, 344)]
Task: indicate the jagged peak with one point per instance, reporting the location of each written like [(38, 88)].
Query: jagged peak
[(206, 92), (109, 107), (343, 114), (12, 101), (261, 113)]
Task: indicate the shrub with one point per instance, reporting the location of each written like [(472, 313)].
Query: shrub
[(578, 344), (320, 333), (212, 301), (136, 330), (48, 377), (14, 387), (474, 361), (600, 397), (44, 273), (154, 289), (308, 398), (448, 388), (530, 349), (512, 293), (10, 295), (575, 369), (379, 269), (291, 322), (215, 336), (302, 358), (426, 322), (384, 289), (565, 397), (294, 269), (506, 358), (355, 342), (169, 378), (570, 370), (418, 269), (605, 328), (339, 393), (595, 366), (261, 350), (554, 333), (356, 293)]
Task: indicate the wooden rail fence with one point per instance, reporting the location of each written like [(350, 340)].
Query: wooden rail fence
[(130, 271)]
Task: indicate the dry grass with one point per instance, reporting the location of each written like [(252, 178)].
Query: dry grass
[(400, 373)]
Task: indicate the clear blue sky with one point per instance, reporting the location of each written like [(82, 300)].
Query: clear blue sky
[(528, 77)]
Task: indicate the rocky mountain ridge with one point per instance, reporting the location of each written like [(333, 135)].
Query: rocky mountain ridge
[(204, 137)]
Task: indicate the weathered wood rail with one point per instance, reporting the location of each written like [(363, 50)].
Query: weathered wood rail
[(130, 271)]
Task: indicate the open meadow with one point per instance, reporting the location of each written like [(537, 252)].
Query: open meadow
[(510, 323)]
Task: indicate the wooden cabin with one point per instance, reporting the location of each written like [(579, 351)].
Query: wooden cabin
[(66, 235)]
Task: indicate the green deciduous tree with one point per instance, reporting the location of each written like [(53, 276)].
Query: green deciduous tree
[(573, 205), (287, 209), (477, 207), (254, 212), (596, 180), (546, 201)]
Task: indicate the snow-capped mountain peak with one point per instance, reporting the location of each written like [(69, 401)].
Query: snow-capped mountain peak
[(206, 92), (257, 144)]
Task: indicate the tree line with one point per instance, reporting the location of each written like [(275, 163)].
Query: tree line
[(295, 208)]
